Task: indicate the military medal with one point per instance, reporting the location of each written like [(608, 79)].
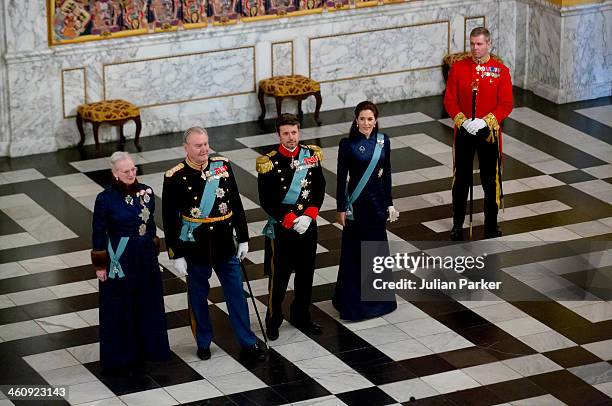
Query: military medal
[(305, 193), (129, 200), (195, 212), (144, 214), (219, 192), (381, 142), (223, 208), (304, 183)]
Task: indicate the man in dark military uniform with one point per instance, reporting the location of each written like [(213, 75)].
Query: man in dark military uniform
[(201, 210), (482, 79), (291, 191)]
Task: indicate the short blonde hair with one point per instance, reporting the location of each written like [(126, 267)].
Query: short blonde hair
[(119, 156)]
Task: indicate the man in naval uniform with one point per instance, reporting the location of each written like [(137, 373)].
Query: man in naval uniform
[(486, 80), (291, 192), (201, 210)]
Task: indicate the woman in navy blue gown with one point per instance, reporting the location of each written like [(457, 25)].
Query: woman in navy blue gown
[(125, 249), (364, 205)]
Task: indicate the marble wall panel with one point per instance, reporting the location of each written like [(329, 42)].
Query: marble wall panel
[(584, 67), (376, 52), (521, 44), (74, 90), (282, 58), (544, 48), (469, 24), (26, 25), (32, 116), (181, 78)]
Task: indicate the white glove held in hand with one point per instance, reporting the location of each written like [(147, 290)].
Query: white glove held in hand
[(243, 249), (393, 214), (466, 124), (475, 125), (180, 266), (301, 224)]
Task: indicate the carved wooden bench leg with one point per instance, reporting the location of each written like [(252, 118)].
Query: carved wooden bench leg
[(79, 122), (262, 104), (319, 100), (138, 129)]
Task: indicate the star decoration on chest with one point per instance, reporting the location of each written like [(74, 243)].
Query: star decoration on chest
[(223, 208), (304, 183), (305, 193), (219, 192)]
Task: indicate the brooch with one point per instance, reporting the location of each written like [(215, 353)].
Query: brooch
[(362, 149), (129, 200)]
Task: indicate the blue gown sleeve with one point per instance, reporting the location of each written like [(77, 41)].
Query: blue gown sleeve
[(387, 173), (99, 227), (342, 174)]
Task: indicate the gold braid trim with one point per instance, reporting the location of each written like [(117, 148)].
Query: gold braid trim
[(317, 151), (493, 127), (459, 119), (263, 164)]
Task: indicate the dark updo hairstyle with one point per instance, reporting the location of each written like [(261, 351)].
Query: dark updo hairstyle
[(364, 105)]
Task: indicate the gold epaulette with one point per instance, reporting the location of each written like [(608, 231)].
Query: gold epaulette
[(172, 171), (219, 158), (317, 151), (263, 164), (497, 58)]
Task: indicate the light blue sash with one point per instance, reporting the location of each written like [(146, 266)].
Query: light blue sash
[(365, 177), (115, 266), (292, 194), (206, 204)]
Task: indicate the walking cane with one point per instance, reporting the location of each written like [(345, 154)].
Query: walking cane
[(246, 278), (474, 92)]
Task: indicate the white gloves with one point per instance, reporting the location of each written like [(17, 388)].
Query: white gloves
[(393, 214), (301, 224), (474, 125), (180, 266), (243, 249)]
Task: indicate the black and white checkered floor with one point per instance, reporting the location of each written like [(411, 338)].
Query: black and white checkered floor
[(558, 187)]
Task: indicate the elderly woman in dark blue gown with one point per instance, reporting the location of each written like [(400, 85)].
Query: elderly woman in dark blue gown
[(125, 249), (364, 205)]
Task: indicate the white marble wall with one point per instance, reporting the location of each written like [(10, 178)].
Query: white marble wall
[(282, 58), (567, 57), (208, 76), (74, 90)]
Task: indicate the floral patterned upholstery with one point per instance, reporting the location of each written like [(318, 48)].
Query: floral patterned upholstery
[(291, 85), (108, 110)]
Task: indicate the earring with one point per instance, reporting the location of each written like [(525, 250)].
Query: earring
[(116, 178)]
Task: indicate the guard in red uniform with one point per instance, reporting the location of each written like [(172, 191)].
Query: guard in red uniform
[(486, 80)]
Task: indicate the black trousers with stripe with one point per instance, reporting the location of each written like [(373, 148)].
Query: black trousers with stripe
[(290, 252), (465, 146)]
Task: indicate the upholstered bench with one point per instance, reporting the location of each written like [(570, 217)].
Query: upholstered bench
[(292, 86), (113, 112)]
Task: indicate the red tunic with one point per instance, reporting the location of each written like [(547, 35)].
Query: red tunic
[(494, 89)]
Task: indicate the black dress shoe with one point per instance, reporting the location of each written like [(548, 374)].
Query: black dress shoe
[(272, 333), (492, 232), (204, 353), (456, 234), (253, 353), (309, 328)]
